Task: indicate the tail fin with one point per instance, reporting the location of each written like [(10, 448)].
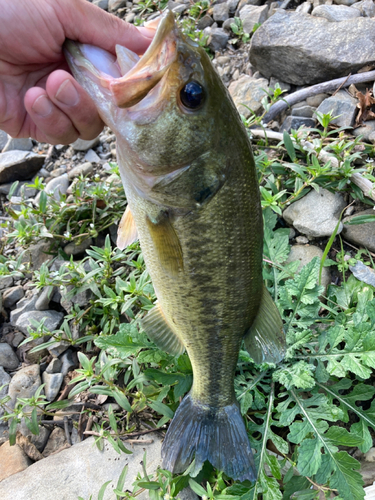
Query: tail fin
[(208, 433)]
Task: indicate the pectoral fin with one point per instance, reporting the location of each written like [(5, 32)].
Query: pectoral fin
[(127, 231), (160, 332), (265, 340), (167, 244)]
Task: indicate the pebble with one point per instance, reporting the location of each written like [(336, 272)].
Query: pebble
[(248, 91), (303, 111), (24, 305), (343, 106), (335, 13), (366, 130), (221, 12), (8, 358), (69, 362), (6, 282), (83, 169), (302, 240), (58, 348), (78, 248), (103, 4), (56, 441), (316, 100), (57, 187), (204, 22), (92, 157), (12, 295), (18, 145), (4, 380), (304, 254), (12, 460), (52, 320), (54, 366), (24, 384), (115, 5), (363, 234), (38, 253), (19, 165), (44, 298), (82, 145), (363, 273), (316, 214), (218, 39), (53, 383), (295, 122), (3, 139)]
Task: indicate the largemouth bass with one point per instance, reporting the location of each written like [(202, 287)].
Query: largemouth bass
[(193, 200)]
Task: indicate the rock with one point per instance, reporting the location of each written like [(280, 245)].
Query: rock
[(345, 2), (83, 169), (103, 4), (56, 441), (6, 282), (3, 139), (19, 165), (92, 157), (81, 470), (4, 379), (23, 306), (303, 50), (305, 110), (232, 6), (38, 253), (335, 13), (204, 22), (305, 254), (58, 348), (44, 298), (363, 273), (57, 187), (315, 100), (283, 85), (69, 362), (302, 240), (342, 105), (82, 145), (243, 3), (249, 91), (54, 366), (304, 8), (53, 383), (24, 384), (12, 460), (366, 8), (362, 234), (295, 122), (367, 471), (187, 494), (8, 358), (78, 248), (316, 214), (18, 145), (220, 12), (218, 39), (180, 9), (12, 295), (365, 130), (26, 192), (112, 6), (251, 15), (40, 440), (52, 320)]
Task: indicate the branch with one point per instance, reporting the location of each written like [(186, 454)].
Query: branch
[(320, 88)]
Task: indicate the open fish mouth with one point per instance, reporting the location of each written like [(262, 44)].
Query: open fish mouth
[(128, 77)]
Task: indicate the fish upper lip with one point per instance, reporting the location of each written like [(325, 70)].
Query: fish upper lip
[(134, 85)]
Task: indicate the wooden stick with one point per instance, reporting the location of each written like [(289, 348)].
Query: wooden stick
[(320, 88)]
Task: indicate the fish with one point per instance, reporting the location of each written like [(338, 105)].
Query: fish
[(190, 180)]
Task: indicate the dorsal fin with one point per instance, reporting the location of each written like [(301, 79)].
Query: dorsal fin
[(265, 340), (167, 244), (127, 231), (161, 333)]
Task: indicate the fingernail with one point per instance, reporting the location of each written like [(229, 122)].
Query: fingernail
[(42, 106), (67, 94), (147, 32)]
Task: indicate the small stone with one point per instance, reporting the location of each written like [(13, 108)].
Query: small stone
[(366, 8), (18, 145), (316, 214), (295, 122), (82, 145), (77, 249), (251, 15), (304, 254), (69, 362), (12, 295), (3, 139), (6, 282), (103, 4), (221, 12), (232, 6), (316, 100), (8, 358), (306, 111), (39, 440), (57, 172), (56, 441), (204, 22), (302, 240), (115, 5), (12, 460), (19, 165), (24, 384), (53, 383), (26, 192), (38, 253), (304, 7), (361, 234), (366, 129), (23, 306), (58, 186), (363, 273), (243, 3), (342, 105), (17, 339), (218, 39), (44, 298), (52, 320), (130, 17), (180, 9), (345, 2), (58, 348), (83, 169), (249, 91), (54, 366), (92, 157), (335, 13)]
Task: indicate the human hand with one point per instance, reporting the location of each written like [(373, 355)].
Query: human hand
[(38, 97)]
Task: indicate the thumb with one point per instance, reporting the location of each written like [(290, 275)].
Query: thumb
[(86, 23)]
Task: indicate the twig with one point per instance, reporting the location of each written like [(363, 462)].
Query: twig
[(302, 94), (341, 86), (66, 429)]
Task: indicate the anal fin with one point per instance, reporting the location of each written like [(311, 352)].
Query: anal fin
[(265, 340), (161, 333), (127, 231)]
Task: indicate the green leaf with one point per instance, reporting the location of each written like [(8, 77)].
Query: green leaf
[(149, 485), (197, 488), (289, 146), (360, 219), (102, 490), (121, 399), (161, 408)]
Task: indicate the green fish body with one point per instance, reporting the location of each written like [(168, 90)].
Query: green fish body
[(193, 201)]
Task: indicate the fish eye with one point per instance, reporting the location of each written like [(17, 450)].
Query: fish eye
[(192, 95)]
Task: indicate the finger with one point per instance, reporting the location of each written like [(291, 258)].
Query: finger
[(47, 119), (87, 23), (67, 95)]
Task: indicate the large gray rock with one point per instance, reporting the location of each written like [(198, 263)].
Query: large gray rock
[(52, 320), (251, 15), (81, 471), (335, 13), (361, 234), (366, 8), (316, 214), (19, 165), (342, 105), (8, 358), (303, 49), (24, 384), (247, 92), (18, 144)]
